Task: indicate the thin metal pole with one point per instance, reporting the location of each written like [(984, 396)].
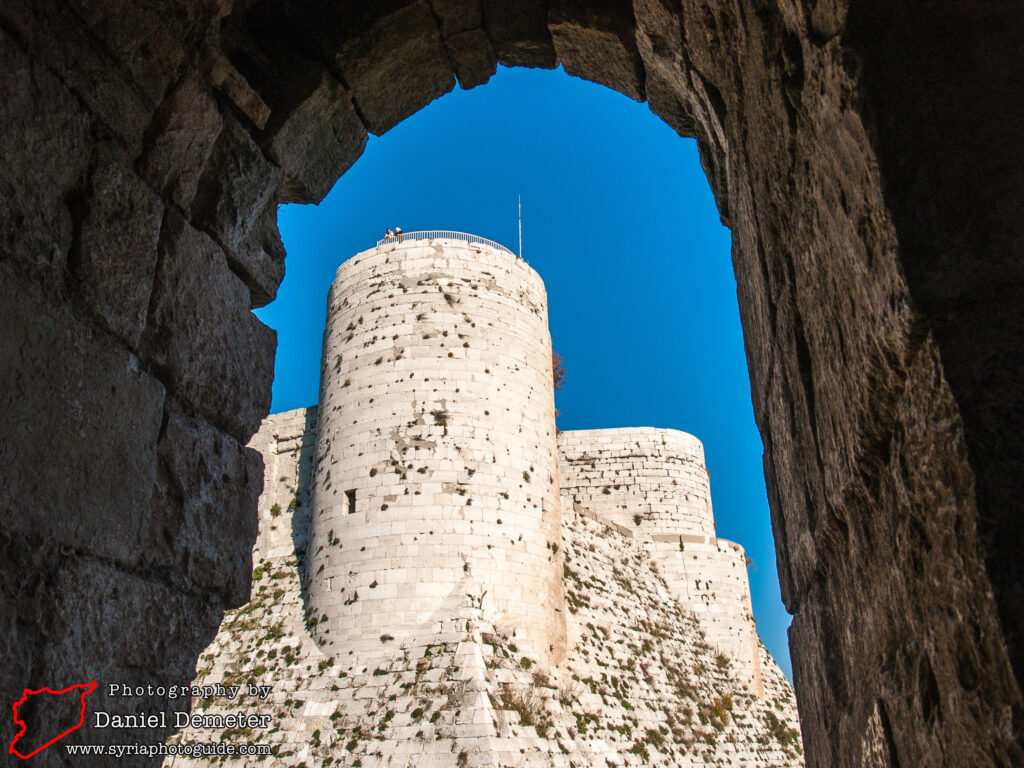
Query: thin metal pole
[(520, 226)]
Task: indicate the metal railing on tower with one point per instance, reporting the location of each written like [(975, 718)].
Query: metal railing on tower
[(443, 234)]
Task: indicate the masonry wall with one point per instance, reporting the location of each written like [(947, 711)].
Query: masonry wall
[(656, 475), (709, 578), (287, 442), (654, 484), (436, 471), (641, 684)]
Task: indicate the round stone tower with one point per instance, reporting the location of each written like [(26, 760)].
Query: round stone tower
[(436, 476)]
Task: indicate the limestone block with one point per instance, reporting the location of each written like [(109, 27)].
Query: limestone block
[(212, 350), (179, 140), (472, 56), (117, 246), (22, 558), (237, 186), (110, 626), (394, 66), (43, 156), (598, 39), (316, 141), (519, 33), (203, 522), (83, 65), (82, 423), (146, 40)]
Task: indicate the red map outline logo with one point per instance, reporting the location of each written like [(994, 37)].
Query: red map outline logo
[(87, 688)]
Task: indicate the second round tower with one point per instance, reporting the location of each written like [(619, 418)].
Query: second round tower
[(436, 476)]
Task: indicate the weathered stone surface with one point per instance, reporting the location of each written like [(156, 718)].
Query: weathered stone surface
[(396, 66), (519, 33), (458, 15), (945, 132), (934, 653), (44, 150), (91, 73), (472, 57), (598, 39), (210, 349), (317, 141), (144, 39), (179, 141), (115, 260), (261, 257), (74, 406), (659, 42), (25, 563), (233, 85), (203, 521), (468, 47), (113, 627), (236, 187)]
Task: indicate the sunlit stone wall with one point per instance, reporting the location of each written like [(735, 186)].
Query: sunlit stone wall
[(435, 473)]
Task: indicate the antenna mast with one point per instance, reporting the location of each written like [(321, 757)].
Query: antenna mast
[(520, 226)]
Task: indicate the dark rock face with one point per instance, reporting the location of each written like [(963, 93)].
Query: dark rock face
[(865, 156)]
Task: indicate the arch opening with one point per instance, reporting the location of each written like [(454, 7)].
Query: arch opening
[(884, 368)]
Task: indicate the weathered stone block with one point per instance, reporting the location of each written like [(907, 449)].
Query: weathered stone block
[(22, 560), (82, 64), (458, 15), (44, 137), (233, 86), (81, 429), (261, 257), (317, 141), (519, 32), (210, 349), (396, 66), (114, 627), (179, 141), (236, 187), (144, 39), (598, 39), (472, 56), (203, 522), (116, 257)]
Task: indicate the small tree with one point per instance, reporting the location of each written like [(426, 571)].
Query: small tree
[(557, 369)]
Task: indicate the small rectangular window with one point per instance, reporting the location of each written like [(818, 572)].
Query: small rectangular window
[(350, 497)]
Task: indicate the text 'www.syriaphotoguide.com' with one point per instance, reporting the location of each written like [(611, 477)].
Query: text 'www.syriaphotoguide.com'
[(152, 750)]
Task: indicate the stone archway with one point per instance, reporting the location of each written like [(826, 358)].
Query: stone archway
[(865, 159)]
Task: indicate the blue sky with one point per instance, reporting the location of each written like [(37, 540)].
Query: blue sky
[(619, 221)]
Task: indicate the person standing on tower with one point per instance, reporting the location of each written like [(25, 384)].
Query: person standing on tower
[(389, 235), (398, 233)]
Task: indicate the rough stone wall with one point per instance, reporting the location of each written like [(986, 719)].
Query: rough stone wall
[(640, 684), (864, 154), (708, 576), (653, 485), (134, 370), (657, 475), (437, 417)]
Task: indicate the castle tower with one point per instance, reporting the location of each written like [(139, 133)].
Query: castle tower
[(436, 465), (655, 484)]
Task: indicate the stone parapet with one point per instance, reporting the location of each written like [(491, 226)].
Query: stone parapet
[(639, 477)]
